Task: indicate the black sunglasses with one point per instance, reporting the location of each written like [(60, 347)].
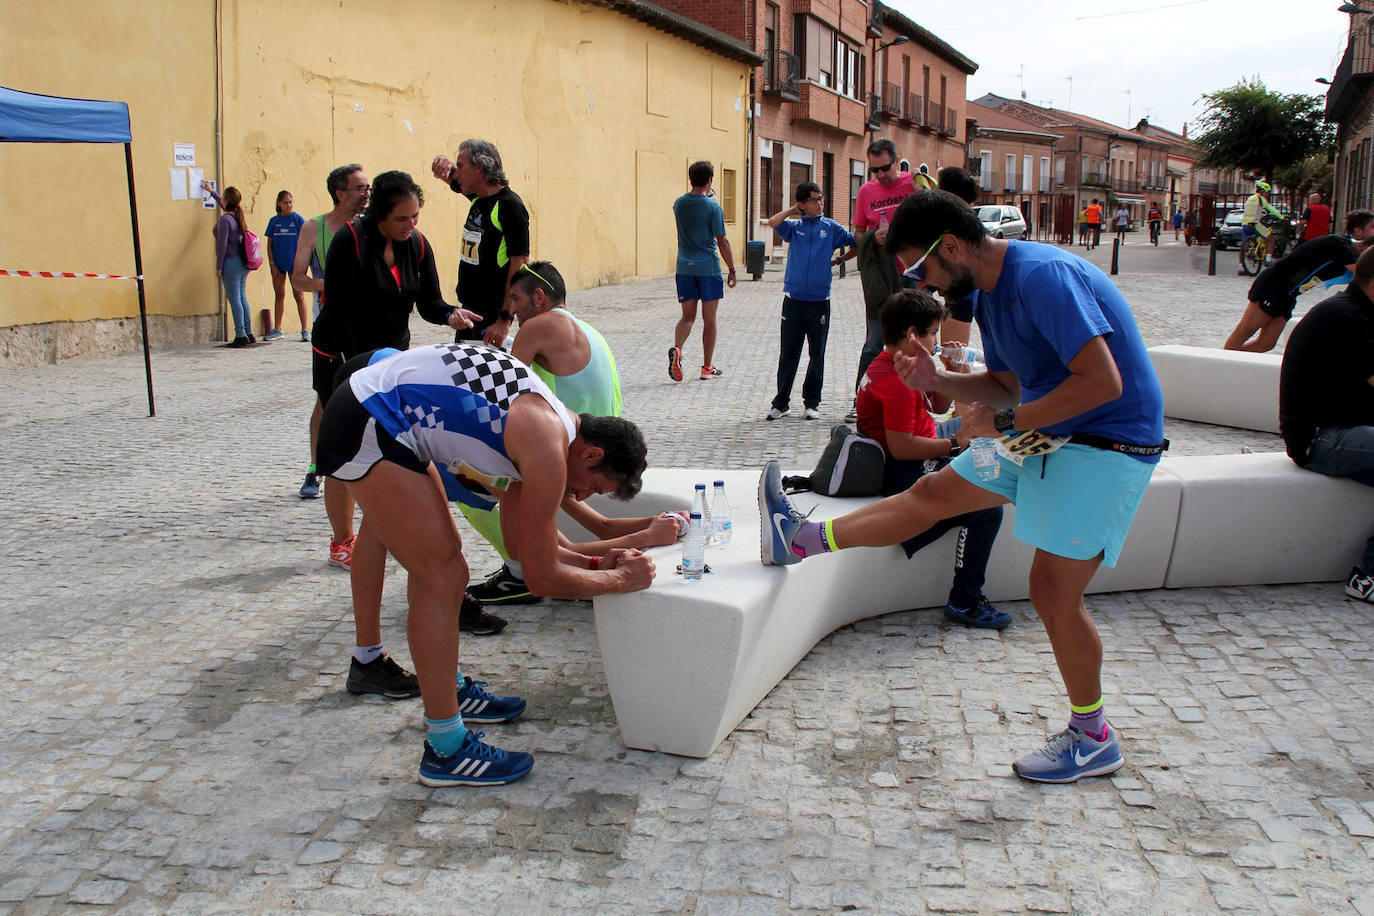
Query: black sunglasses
[(873, 170)]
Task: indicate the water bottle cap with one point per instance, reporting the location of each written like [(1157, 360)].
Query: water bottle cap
[(696, 515), (720, 483), (701, 486)]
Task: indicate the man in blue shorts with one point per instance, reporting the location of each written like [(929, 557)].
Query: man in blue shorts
[(700, 231), (1064, 357)]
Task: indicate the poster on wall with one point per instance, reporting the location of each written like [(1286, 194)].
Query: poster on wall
[(184, 154)]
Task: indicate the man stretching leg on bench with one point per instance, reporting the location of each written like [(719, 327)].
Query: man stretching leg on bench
[(1064, 357)]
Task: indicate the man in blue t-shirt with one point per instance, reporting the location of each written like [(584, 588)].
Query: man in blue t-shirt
[(811, 240), (1064, 358), (700, 231)]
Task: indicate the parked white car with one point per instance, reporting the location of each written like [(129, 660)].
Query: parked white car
[(1003, 222)]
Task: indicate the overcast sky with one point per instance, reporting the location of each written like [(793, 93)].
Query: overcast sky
[(1167, 53)]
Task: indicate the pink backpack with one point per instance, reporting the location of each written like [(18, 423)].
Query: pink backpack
[(252, 250)]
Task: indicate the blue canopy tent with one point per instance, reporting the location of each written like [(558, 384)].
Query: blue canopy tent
[(29, 118)]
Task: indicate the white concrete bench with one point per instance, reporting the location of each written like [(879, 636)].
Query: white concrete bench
[(686, 662), (1224, 387)]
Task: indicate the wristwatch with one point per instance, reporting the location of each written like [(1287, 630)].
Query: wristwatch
[(954, 447), (1004, 419)]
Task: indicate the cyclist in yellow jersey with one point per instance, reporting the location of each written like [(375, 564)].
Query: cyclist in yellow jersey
[(1250, 222)]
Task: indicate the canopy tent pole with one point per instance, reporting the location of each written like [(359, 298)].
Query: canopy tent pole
[(138, 273)]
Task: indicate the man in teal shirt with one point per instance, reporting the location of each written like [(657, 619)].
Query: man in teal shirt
[(700, 232)]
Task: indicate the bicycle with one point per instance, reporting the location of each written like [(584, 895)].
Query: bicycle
[(1154, 232), (1252, 252)]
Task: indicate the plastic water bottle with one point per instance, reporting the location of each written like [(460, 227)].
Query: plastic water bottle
[(703, 508), (966, 355), (694, 549), (721, 515), (985, 458)]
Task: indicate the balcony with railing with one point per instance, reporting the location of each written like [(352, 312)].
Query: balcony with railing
[(892, 100), (935, 116), (782, 76), (1356, 71), (916, 109), (1095, 180), (824, 106), (949, 125)]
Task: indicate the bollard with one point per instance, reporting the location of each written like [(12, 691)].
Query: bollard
[(1116, 253), (1212, 258)]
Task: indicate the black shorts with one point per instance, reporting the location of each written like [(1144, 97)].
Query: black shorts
[(1273, 295), (351, 442), (323, 369)]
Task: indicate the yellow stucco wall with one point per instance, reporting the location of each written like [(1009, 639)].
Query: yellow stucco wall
[(596, 116), (65, 206)]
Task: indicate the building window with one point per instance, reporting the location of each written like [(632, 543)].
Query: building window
[(985, 169), (1044, 174), (770, 45), (1027, 172), (727, 194), (1010, 182)]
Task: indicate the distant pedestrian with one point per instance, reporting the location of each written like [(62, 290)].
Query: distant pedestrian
[(230, 265), (700, 233), (1316, 219), (282, 232), (1093, 212), (1178, 223), (1123, 221), (812, 238), (1083, 227)]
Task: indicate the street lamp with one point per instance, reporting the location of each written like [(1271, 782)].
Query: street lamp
[(1352, 9), (873, 99), (1323, 80)]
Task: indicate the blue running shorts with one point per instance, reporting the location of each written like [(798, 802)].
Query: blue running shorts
[(707, 289), (1075, 502)]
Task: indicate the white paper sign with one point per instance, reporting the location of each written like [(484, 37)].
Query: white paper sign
[(178, 183), (193, 179), (184, 154), (207, 202)]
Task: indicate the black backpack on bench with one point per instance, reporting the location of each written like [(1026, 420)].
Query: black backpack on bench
[(851, 465)]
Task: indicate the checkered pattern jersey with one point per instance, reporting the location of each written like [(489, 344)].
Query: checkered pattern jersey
[(448, 403)]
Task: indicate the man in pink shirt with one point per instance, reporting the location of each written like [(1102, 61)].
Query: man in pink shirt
[(877, 201)]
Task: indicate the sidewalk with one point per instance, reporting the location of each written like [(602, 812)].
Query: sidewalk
[(178, 737)]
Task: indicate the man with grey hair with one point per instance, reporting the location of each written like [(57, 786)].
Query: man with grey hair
[(496, 236)]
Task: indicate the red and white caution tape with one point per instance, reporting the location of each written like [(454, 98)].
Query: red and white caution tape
[(50, 274)]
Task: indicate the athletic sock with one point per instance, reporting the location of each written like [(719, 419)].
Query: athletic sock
[(1091, 720), (446, 736), (813, 538), (516, 569), (366, 655)]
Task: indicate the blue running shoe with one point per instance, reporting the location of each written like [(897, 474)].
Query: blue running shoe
[(981, 615), (779, 520), (475, 764), (1071, 755), (477, 705)]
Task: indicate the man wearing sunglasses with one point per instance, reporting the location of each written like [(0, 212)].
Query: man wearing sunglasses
[(1064, 357), (877, 200)]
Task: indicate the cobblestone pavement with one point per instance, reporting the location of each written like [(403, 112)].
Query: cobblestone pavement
[(178, 737)]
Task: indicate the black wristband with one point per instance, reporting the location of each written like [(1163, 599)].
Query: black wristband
[(505, 315), (954, 447), (1004, 419)]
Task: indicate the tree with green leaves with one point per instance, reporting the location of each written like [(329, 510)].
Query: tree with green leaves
[(1248, 127)]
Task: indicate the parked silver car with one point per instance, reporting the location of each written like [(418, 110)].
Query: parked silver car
[(1003, 222)]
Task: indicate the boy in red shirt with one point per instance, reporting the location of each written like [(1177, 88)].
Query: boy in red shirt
[(899, 419)]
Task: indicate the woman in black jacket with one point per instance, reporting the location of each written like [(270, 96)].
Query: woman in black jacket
[(378, 269)]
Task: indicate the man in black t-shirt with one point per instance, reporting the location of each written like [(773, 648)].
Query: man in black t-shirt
[(1274, 294), (496, 236), (1326, 396)]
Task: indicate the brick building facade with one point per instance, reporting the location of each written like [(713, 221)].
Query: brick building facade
[(819, 99)]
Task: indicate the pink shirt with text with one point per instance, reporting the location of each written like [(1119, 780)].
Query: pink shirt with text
[(877, 200)]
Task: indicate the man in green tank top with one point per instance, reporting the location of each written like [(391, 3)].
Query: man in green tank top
[(575, 361)]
